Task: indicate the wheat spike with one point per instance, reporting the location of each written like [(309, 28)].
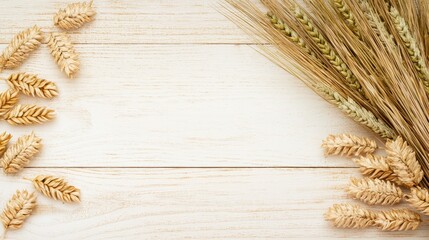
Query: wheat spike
[(56, 188), (350, 216), (419, 198), (18, 209), (376, 167), (348, 16), (32, 85), (20, 48), (19, 154), (64, 53), (8, 99), (29, 114), (398, 220), (402, 160), (4, 141), (374, 191), (74, 15), (348, 145)]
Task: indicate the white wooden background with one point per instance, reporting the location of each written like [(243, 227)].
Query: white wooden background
[(176, 128)]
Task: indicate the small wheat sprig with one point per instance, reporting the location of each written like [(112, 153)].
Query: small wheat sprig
[(4, 141), (18, 209), (376, 167), (348, 16), (74, 15), (398, 220), (56, 188), (64, 53), (374, 191), (32, 85), (29, 114), (20, 48), (419, 198), (8, 99), (402, 160), (350, 216), (19, 154), (348, 145)]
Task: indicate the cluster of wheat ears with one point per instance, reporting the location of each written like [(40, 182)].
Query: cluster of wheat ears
[(15, 157)]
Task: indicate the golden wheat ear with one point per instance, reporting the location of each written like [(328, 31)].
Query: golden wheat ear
[(376, 167), (4, 141), (29, 114), (8, 99), (419, 198), (20, 48), (374, 191), (398, 220), (56, 188), (18, 209), (350, 216), (32, 85), (74, 16), (64, 53), (348, 145)]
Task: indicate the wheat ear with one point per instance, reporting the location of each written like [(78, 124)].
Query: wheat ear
[(376, 167), (402, 160), (4, 141), (64, 53), (18, 209), (56, 188), (8, 99), (347, 15), (32, 85), (350, 216), (398, 220), (29, 114), (74, 15), (20, 48), (348, 145), (374, 191), (19, 154), (419, 198)]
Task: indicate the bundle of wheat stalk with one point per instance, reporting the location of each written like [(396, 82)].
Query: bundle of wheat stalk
[(367, 57)]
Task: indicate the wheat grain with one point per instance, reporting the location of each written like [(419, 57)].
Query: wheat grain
[(74, 15), (374, 191), (402, 160), (56, 188), (376, 167), (8, 99), (19, 154), (350, 216), (419, 198), (348, 16), (4, 141), (348, 145), (32, 85), (29, 114), (20, 48), (18, 209), (64, 53), (398, 220)]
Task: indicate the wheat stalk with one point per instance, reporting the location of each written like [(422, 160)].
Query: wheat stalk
[(19, 154), (376, 167), (348, 145), (18, 209), (398, 220), (56, 188), (402, 160), (350, 216), (32, 85), (419, 198), (29, 114), (74, 15), (64, 53), (20, 48), (8, 99), (4, 141), (374, 191), (344, 9)]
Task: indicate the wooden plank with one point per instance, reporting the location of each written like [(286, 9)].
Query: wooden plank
[(193, 204), (187, 105)]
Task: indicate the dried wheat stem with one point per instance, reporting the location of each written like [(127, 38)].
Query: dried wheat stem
[(419, 198), (402, 160), (32, 85), (374, 191), (20, 48), (350, 216), (398, 220), (29, 114), (74, 15), (19, 154), (348, 16), (348, 145), (376, 167), (56, 188), (18, 209), (64, 53), (8, 99), (4, 141)]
